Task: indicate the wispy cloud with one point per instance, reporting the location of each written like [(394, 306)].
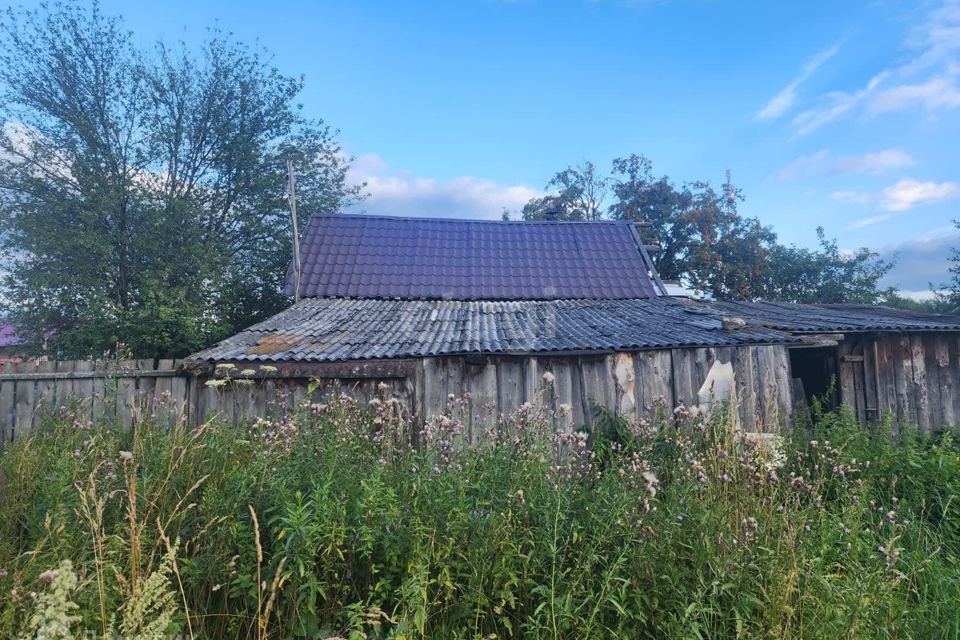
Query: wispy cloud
[(901, 196), (834, 105), (785, 99), (805, 166), (939, 92), (874, 163), (927, 80), (823, 162), (395, 192)]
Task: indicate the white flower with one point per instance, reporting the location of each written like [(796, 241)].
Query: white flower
[(565, 409), (268, 368), (248, 372), (548, 378), (215, 383), (226, 365), (126, 456)]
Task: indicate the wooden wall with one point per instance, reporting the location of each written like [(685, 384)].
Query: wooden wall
[(629, 384), (915, 377)]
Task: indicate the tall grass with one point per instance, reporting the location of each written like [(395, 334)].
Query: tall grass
[(326, 523)]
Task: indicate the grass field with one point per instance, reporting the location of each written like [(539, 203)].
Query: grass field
[(325, 523)]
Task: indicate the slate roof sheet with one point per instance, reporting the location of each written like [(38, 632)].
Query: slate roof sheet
[(338, 329), (825, 318), (361, 256)]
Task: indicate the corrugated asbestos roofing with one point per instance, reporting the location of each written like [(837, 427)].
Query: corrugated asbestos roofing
[(360, 256), (824, 318), (339, 329)]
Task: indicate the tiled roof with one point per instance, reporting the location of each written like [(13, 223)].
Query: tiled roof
[(435, 259), (820, 318), (337, 329)]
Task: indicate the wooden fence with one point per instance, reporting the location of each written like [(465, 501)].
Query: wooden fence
[(91, 390), (127, 390)]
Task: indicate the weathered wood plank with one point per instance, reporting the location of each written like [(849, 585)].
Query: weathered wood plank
[(903, 380), (597, 380), (47, 400), (744, 371), (933, 384), (684, 391), (480, 381), (564, 372), (921, 393), (7, 404), (509, 384), (25, 395), (624, 379), (654, 387)]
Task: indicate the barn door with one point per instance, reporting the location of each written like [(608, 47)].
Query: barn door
[(858, 372)]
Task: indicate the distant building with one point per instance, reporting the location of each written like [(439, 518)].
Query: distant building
[(11, 346)]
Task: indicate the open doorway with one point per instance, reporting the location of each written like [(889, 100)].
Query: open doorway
[(814, 372)]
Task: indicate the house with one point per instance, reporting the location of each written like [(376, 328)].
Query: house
[(573, 314), (11, 346)]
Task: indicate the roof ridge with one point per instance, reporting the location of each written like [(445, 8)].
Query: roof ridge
[(375, 216)]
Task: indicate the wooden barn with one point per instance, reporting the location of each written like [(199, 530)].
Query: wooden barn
[(568, 313)]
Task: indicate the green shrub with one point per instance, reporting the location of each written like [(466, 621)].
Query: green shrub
[(327, 523)]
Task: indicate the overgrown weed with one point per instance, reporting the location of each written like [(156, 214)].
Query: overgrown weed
[(328, 522)]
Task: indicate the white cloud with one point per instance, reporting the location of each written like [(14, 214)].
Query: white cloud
[(823, 162), (939, 92), (874, 163), (897, 198), (784, 100), (394, 192), (907, 194)]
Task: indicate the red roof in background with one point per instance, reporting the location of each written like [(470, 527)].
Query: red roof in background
[(361, 256)]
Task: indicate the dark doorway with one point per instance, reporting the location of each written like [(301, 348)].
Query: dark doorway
[(814, 370)]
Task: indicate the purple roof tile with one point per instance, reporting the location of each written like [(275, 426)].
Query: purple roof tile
[(8, 336), (364, 256)]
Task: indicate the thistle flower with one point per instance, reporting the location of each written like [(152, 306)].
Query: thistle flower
[(126, 456), (48, 576), (548, 378)]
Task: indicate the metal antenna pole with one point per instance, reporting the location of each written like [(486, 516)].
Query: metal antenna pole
[(296, 231)]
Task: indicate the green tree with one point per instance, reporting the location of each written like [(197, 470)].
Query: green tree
[(144, 192), (704, 242), (947, 295), (580, 193), (702, 238), (827, 274)]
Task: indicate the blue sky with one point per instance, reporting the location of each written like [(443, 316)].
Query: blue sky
[(841, 114)]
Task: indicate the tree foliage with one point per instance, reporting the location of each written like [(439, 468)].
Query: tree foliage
[(703, 240), (143, 191), (826, 274)]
